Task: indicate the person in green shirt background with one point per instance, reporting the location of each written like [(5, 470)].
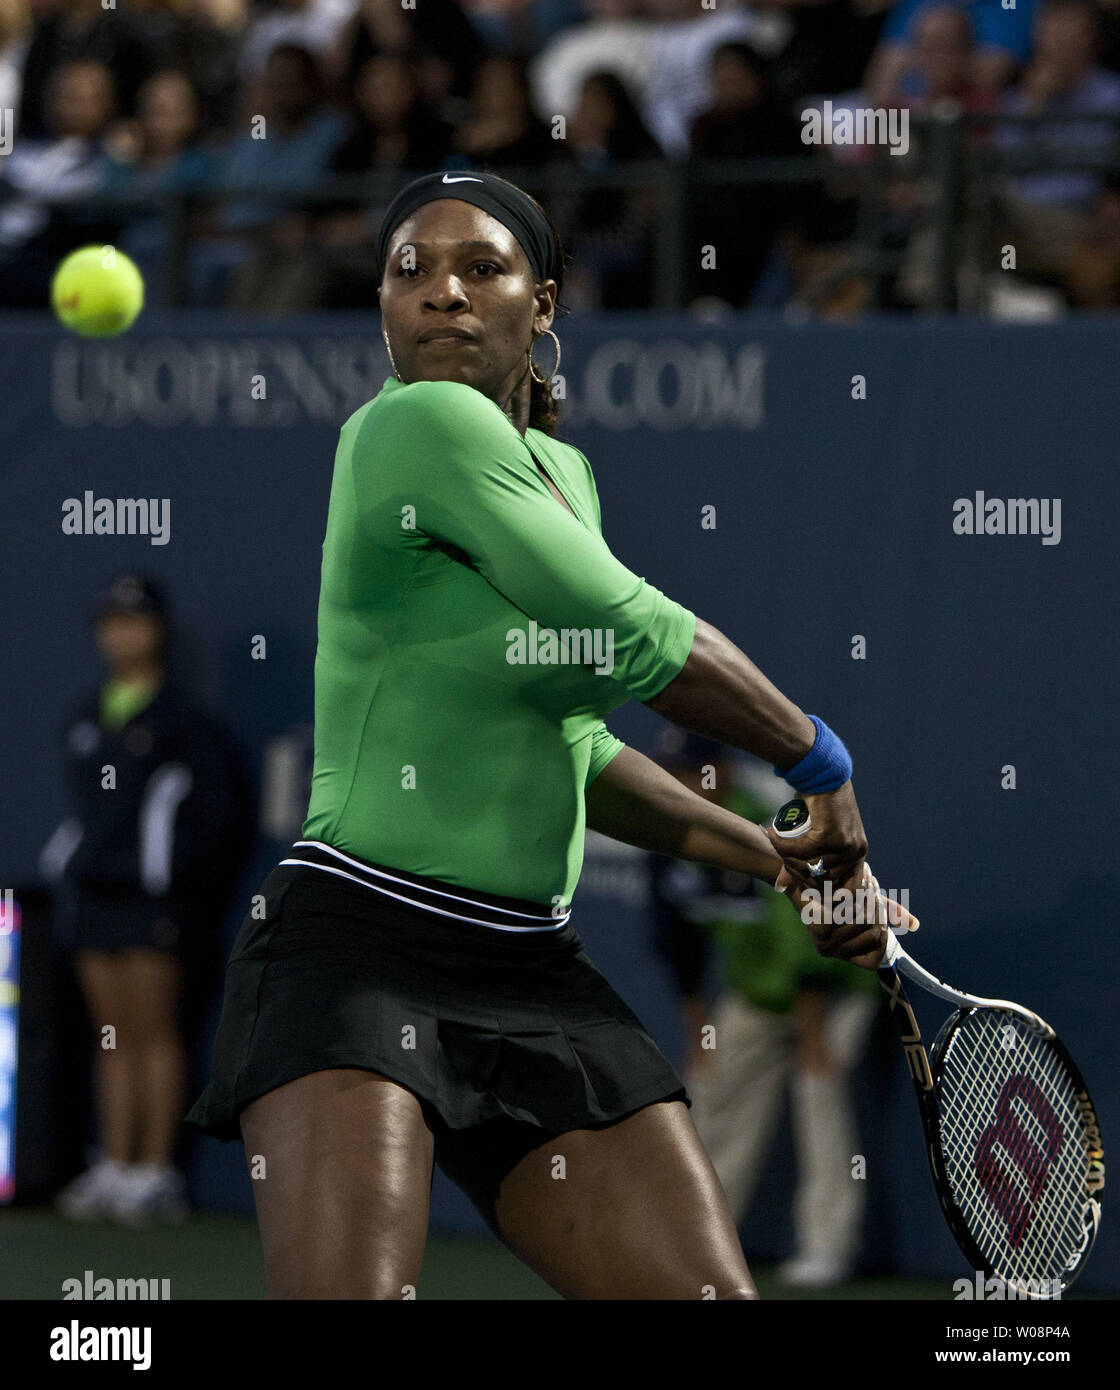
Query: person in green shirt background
[(784, 1017)]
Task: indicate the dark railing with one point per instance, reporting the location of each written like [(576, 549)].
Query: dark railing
[(953, 154)]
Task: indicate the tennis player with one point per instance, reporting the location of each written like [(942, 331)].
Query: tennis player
[(408, 987)]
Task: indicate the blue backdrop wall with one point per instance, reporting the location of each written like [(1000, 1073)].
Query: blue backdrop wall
[(830, 460)]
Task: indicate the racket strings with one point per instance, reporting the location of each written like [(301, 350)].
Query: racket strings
[(1015, 1167), (1015, 1173), (1013, 1143)]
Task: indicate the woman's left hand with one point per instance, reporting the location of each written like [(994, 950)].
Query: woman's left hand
[(848, 921)]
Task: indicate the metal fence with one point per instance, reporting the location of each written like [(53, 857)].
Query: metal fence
[(962, 163)]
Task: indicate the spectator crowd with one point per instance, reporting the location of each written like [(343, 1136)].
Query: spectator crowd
[(277, 131)]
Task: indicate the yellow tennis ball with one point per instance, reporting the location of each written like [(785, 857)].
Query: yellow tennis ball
[(97, 292)]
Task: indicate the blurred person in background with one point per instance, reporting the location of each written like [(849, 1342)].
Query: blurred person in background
[(1002, 38), (678, 85), (66, 30), (504, 26), (829, 47), (940, 69), (816, 270), (201, 38), (738, 221), (69, 163), (1108, 19), (261, 222), (743, 121), (391, 133), (392, 129), (616, 37), (143, 869), (500, 129), (941, 62), (1044, 214), (15, 35), (1093, 275), (436, 35), (610, 230), (315, 25), (158, 153), (785, 1018)]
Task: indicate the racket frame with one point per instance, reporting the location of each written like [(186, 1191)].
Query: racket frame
[(926, 1075)]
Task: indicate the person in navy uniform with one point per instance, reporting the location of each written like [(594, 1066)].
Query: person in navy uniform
[(143, 868)]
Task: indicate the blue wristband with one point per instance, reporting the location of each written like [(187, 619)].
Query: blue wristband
[(826, 766)]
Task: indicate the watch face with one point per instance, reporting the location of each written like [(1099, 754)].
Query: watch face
[(791, 817)]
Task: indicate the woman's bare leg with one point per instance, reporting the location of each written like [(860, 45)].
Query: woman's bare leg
[(154, 981), (104, 984), (634, 1211), (341, 1162)]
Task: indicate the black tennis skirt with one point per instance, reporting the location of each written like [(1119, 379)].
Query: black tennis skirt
[(479, 1005)]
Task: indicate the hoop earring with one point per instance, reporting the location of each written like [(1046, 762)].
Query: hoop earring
[(544, 380), (389, 350)]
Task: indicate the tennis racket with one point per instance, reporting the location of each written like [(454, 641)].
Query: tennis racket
[(1011, 1134)]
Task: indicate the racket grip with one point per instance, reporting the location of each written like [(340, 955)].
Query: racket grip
[(793, 820), (892, 952)]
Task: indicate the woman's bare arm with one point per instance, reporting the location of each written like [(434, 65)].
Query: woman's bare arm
[(721, 693), (636, 801)]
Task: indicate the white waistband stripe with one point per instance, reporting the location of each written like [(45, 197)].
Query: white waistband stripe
[(418, 895)]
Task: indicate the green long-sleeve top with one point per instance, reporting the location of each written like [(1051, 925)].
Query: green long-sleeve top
[(472, 636)]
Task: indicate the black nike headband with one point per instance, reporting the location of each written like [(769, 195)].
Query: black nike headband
[(503, 201)]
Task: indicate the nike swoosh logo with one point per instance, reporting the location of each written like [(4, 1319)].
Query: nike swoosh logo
[(464, 178)]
